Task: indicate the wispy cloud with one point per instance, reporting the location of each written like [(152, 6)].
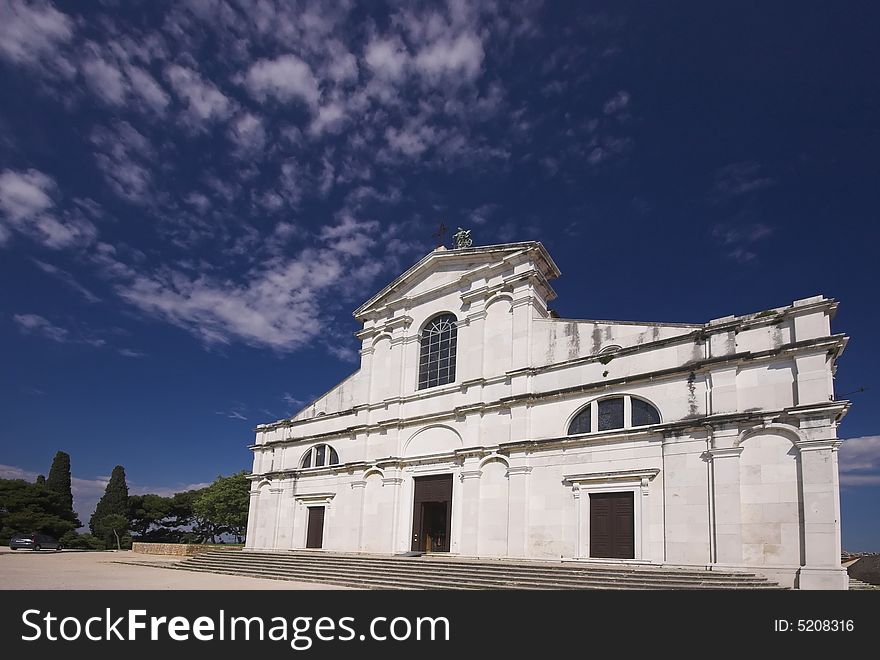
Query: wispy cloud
[(27, 206), (859, 461), (73, 333), (68, 279), (32, 33), (739, 179), (300, 104), (739, 241)]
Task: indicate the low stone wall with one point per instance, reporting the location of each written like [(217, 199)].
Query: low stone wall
[(179, 549)]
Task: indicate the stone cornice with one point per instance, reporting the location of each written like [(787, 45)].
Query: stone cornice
[(698, 367), (618, 475), (668, 431)]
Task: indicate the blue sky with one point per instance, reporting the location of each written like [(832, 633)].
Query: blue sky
[(195, 195)]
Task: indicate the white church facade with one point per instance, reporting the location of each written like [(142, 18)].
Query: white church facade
[(480, 424)]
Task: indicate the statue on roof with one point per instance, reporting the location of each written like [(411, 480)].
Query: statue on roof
[(462, 238)]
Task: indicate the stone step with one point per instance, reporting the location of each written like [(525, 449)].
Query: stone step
[(385, 581), (560, 576), (858, 585), (377, 572), (482, 580), (500, 566)]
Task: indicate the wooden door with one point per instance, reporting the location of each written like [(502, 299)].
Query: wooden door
[(612, 526), (315, 533), (432, 489)]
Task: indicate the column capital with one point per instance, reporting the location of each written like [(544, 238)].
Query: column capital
[(831, 444), (518, 469), (359, 484), (470, 474), (724, 452)]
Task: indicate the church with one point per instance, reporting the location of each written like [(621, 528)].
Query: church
[(482, 425)]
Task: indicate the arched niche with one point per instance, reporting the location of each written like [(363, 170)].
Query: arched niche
[(436, 439)]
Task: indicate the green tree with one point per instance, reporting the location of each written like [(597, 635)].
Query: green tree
[(113, 502), (146, 512), (59, 481), (114, 526), (41, 480), (26, 508), (223, 506)]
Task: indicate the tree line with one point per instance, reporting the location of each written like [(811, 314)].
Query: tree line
[(206, 515)]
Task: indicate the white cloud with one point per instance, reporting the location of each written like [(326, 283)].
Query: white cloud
[(616, 103), (387, 58), (105, 79), (24, 195), (32, 32), (33, 323), (859, 461), (204, 102), (459, 57), (145, 86), (248, 133), (330, 118), (39, 325), (286, 78), (27, 206)]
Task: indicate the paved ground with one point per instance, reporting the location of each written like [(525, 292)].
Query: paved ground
[(69, 569)]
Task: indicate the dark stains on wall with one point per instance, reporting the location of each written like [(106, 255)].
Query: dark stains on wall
[(574, 339), (596, 339), (692, 393)]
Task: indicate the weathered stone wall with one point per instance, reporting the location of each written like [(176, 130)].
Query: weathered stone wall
[(178, 549)]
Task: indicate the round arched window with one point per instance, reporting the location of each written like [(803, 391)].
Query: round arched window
[(319, 456), (614, 412)]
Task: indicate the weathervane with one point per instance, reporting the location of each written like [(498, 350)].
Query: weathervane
[(462, 238)]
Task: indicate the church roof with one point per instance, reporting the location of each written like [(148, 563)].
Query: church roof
[(484, 253)]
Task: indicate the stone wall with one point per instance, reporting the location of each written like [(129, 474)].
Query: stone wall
[(179, 549)]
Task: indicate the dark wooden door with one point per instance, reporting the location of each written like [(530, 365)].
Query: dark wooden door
[(432, 513), (315, 533), (612, 526)]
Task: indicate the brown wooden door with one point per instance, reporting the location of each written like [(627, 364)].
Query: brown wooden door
[(432, 513), (315, 533), (612, 526)]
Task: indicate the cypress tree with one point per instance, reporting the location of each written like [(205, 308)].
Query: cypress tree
[(59, 478), (59, 482), (113, 502), (41, 480)]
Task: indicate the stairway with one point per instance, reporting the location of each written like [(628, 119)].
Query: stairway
[(444, 572), (858, 585)]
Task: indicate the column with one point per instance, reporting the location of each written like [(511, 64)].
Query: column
[(820, 490), (727, 505), (469, 365), (253, 511), (358, 505), (518, 511), (470, 508)]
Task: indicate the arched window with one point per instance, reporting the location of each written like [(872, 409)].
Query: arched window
[(437, 353), (319, 456), (615, 412)]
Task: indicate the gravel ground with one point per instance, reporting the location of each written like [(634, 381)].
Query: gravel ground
[(69, 569)]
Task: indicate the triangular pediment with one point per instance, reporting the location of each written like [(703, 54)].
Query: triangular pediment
[(443, 268)]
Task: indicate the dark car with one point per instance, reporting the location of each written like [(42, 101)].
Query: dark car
[(34, 542)]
